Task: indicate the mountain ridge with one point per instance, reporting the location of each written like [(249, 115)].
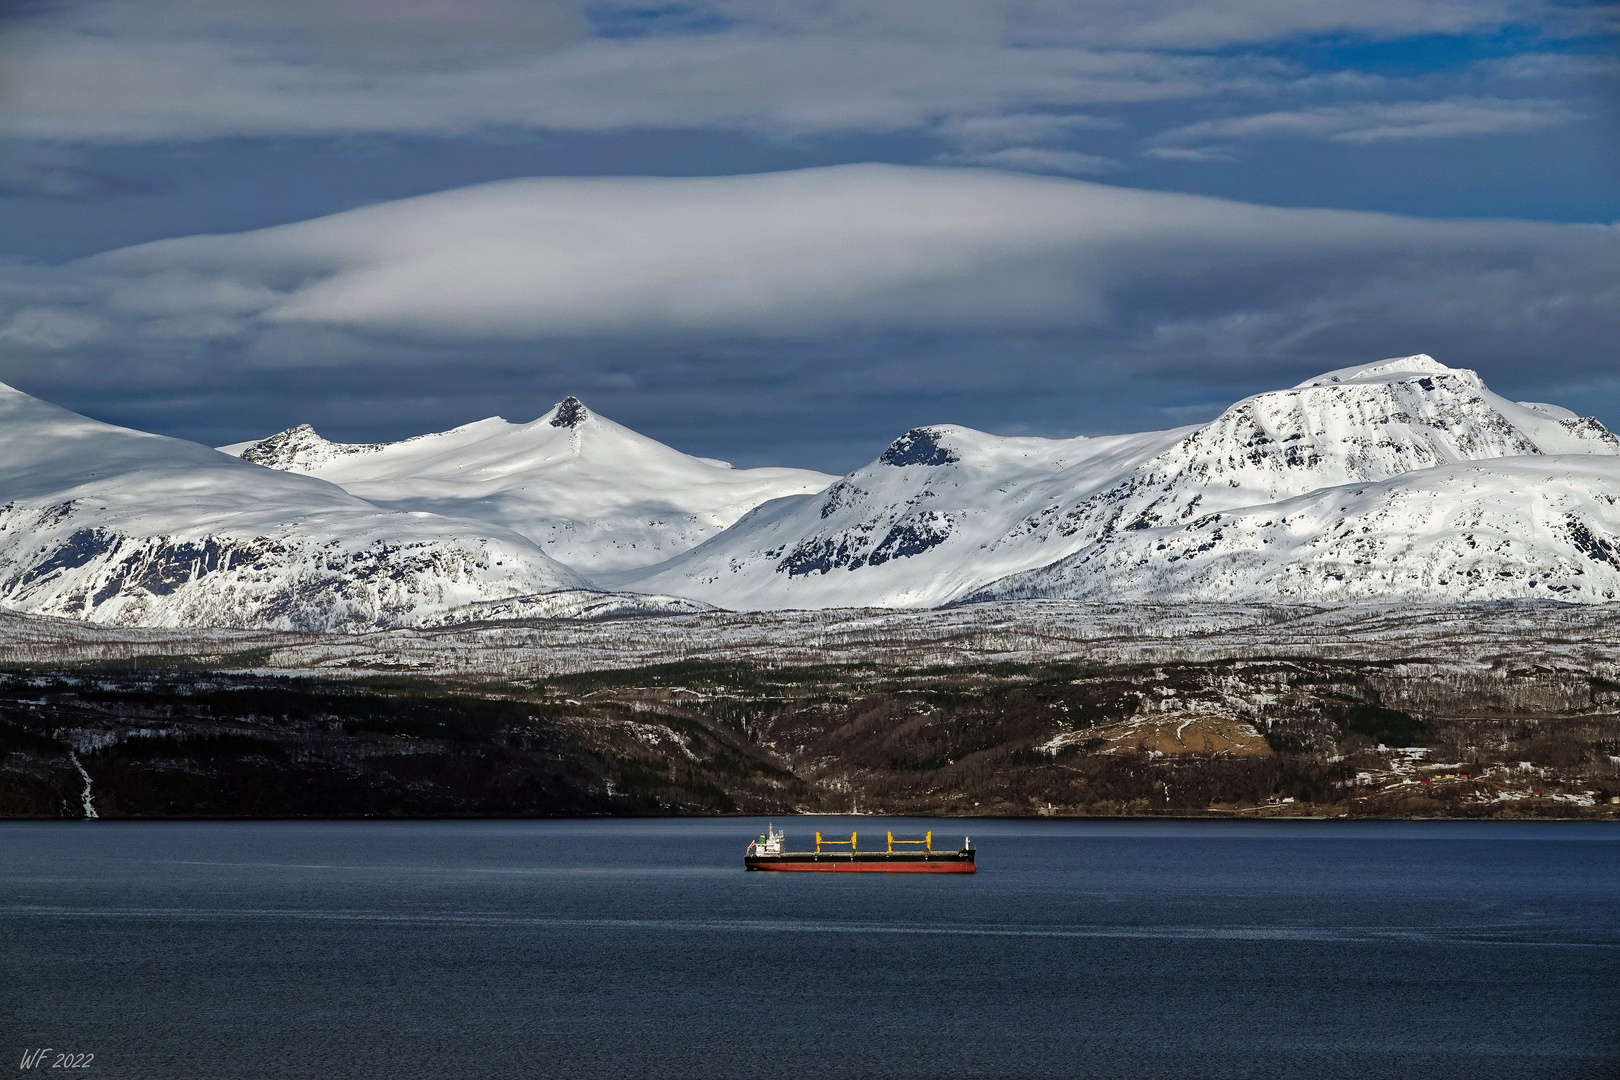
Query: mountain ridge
[(594, 494), (913, 509), (1403, 480), (110, 525)]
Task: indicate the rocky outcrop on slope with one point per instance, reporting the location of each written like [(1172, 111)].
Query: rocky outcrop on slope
[(301, 449), (319, 573)]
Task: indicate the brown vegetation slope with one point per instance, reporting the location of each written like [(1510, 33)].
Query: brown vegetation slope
[(1253, 737)]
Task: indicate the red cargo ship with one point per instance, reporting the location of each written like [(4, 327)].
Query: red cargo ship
[(766, 854)]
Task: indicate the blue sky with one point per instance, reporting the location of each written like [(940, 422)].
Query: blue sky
[(1470, 150)]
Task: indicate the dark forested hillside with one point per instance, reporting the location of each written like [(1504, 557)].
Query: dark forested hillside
[(1260, 737)]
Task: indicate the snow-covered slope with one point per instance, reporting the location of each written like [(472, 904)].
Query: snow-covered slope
[(1516, 527), (591, 493), (946, 512), (934, 515), (1404, 479), (115, 526), (1398, 479)]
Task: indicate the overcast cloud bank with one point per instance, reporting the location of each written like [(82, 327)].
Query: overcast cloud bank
[(123, 71)]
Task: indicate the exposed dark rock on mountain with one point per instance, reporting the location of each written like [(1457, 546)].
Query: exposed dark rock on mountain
[(569, 412), (299, 446), (919, 446)]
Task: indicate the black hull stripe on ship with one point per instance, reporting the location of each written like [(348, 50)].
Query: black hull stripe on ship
[(864, 857)]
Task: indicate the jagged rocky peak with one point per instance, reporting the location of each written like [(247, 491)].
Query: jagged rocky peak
[(919, 446), (570, 412), (1588, 432), (1420, 389), (1591, 432), (1355, 425), (1369, 422), (300, 446)]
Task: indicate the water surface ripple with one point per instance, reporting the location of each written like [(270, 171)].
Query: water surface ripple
[(641, 949)]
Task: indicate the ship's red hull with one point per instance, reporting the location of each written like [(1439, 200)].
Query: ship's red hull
[(875, 868), (877, 862)]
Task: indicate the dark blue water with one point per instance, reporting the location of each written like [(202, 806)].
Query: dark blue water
[(642, 949)]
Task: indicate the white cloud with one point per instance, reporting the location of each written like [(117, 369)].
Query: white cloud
[(136, 70), (1005, 142), (1189, 153), (1035, 159), (416, 33), (986, 132), (815, 254), (183, 292), (1541, 66), (1373, 122), (94, 89), (52, 329), (824, 295)]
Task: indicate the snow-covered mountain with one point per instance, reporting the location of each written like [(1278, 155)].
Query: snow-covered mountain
[(593, 494), (925, 522), (1399, 479), (1516, 527), (116, 526), (1402, 478)]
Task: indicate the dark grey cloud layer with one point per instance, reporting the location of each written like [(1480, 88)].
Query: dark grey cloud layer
[(993, 77)]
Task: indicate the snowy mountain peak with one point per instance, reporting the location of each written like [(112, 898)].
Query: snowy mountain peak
[(570, 412), (1385, 370), (1299, 492), (298, 449), (919, 446), (592, 493), (1400, 478), (1354, 425), (115, 526)]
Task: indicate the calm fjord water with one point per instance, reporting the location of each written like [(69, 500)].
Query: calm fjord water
[(642, 949)]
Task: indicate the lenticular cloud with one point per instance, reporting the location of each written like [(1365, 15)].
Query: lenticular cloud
[(822, 252)]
